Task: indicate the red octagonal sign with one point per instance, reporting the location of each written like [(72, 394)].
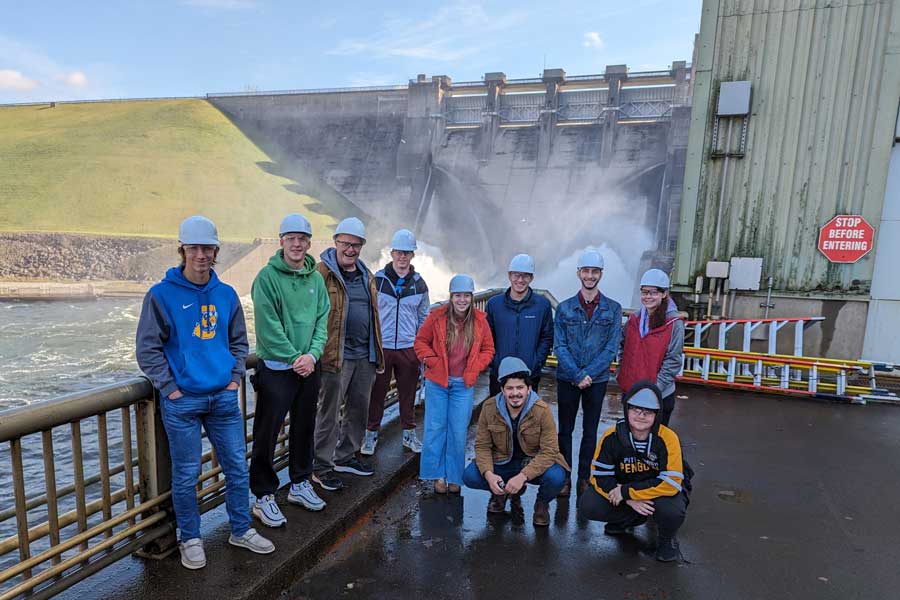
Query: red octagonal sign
[(846, 238)]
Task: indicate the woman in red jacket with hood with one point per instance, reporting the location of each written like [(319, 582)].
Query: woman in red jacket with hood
[(455, 344), (653, 344)]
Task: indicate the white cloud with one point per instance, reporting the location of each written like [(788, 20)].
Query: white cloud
[(456, 31), (592, 40), (364, 79), (47, 78), (14, 80), (75, 79), (221, 4)]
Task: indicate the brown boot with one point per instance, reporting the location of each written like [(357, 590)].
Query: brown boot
[(566, 490), (440, 486), (497, 505), (541, 513)]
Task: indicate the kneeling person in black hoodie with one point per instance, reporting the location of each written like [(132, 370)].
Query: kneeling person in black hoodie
[(637, 473)]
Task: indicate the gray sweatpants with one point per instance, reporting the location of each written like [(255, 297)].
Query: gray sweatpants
[(343, 412)]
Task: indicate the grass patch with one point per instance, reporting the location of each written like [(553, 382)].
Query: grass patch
[(139, 168)]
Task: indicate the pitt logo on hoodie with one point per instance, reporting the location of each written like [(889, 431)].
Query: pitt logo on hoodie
[(206, 328)]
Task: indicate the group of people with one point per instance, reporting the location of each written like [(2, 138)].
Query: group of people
[(331, 336)]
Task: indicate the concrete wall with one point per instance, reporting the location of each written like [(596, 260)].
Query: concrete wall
[(481, 193)]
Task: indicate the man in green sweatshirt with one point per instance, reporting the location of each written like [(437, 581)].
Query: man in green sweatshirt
[(290, 305)]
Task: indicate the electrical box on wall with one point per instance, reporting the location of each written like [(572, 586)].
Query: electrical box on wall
[(717, 269), (734, 99), (745, 273)]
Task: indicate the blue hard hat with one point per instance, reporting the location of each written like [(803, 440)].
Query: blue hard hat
[(295, 223), (590, 259), (521, 263), (351, 226), (404, 240), (462, 284), (510, 365), (645, 397), (198, 230), (656, 278)]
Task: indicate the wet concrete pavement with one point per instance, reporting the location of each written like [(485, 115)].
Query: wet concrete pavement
[(792, 499)]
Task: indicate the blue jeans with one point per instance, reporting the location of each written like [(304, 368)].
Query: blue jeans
[(448, 411), (550, 483), (220, 414)]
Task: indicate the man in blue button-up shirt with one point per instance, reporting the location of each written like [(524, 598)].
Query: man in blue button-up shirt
[(587, 332)]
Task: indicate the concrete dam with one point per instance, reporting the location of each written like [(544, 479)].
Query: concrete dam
[(489, 168)]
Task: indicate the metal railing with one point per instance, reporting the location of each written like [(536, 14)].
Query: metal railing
[(337, 90), (90, 475)]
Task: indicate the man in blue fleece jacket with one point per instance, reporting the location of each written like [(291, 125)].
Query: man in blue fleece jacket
[(192, 345)]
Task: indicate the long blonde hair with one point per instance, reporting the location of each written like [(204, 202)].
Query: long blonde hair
[(468, 332)]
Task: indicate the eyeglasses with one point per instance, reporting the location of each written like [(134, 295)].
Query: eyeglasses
[(354, 245), (293, 239), (522, 276), (404, 252), (642, 411), (651, 293), (199, 248)]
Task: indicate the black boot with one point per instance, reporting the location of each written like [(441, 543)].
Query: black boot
[(668, 549)]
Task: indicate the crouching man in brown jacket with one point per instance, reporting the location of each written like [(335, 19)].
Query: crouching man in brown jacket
[(516, 444)]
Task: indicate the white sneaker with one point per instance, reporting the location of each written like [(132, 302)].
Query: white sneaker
[(411, 441), (266, 510), (303, 494), (192, 554), (369, 443), (253, 542)]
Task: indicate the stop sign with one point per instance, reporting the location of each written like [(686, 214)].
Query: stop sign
[(846, 238)]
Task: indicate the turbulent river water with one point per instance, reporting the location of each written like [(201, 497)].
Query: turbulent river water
[(50, 348)]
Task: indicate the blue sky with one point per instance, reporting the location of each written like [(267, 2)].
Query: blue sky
[(55, 50)]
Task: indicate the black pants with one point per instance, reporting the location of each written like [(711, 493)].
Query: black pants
[(668, 405), (669, 511), (278, 392), (568, 397), (495, 383)]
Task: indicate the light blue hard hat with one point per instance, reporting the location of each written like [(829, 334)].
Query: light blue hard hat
[(351, 226), (462, 284), (198, 230), (645, 397), (521, 263), (590, 259), (404, 240), (295, 223), (510, 365), (655, 278)]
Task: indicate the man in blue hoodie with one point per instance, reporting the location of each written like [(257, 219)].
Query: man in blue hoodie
[(521, 323), (516, 444), (191, 343)]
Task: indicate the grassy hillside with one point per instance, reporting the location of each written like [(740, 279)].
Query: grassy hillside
[(138, 168)]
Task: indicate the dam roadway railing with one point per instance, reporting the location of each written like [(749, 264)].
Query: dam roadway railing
[(91, 476)]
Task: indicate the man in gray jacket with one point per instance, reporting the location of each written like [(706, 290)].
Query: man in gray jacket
[(402, 305)]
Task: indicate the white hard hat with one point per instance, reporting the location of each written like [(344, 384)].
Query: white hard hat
[(404, 240), (590, 259), (462, 284), (198, 231), (656, 278), (645, 397), (510, 365), (351, 226), (521, 263), (295, 223)]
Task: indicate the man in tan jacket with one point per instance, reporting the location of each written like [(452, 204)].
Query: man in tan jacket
[(350, 360), (516, 444)]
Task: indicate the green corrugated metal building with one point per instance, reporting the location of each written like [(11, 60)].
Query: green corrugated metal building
[(825, 80)]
